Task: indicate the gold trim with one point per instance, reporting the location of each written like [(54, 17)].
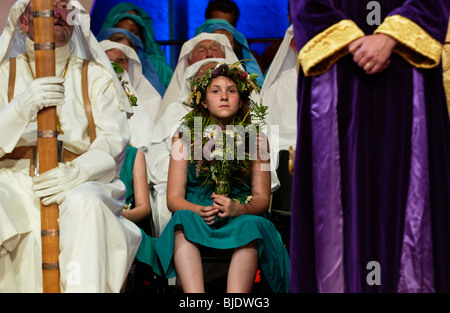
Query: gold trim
[(326, 48), (415, 45), (446, 52), (446, 58), (446, 72)]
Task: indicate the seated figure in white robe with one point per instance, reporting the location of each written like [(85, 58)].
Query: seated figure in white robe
[(142, 122), (97, 245)]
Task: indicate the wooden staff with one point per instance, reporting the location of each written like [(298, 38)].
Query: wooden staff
[(44, 40)]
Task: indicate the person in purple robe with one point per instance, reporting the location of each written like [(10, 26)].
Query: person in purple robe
[(371, 182)]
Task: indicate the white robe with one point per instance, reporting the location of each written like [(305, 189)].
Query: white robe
[(97, 245), (142, 122), (279, 93)]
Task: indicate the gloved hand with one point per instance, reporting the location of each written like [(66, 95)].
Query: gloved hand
[(41, 93), (53, 185)]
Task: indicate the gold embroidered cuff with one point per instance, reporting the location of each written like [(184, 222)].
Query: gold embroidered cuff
[(326, 48), (446, 58), (446, 72), (446, 67), (446, 52), (415, 45)]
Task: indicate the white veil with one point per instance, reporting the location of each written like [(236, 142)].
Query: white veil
[(148, 96), (279, 93), (176, 83)]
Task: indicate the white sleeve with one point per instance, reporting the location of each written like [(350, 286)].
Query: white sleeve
[(13, 124)]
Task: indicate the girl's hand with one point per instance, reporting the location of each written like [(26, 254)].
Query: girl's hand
[(225, 206), (373, 52), (208, 214)]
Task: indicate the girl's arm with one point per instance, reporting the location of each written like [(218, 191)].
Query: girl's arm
[(141, 192)]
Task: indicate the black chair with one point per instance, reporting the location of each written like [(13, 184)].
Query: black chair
[(218, 260), (281, 198)]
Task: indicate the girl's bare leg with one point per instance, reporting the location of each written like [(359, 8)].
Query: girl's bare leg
[(188, 264), (243, 267)]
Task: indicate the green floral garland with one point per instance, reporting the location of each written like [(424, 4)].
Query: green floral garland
[(119, 70)]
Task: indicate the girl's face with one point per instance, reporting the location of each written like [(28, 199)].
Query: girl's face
[(222, 99)]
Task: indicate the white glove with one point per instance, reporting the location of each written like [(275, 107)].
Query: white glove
[(53, 185), (41, 93)]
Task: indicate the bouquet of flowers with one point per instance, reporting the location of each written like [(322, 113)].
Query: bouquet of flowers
[(220, 151)]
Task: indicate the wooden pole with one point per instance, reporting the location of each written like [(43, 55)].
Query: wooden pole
[(44, 36)]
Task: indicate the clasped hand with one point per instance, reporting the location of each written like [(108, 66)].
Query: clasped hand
[(41, 93), (53, 185), (222, 207), (373, 52)]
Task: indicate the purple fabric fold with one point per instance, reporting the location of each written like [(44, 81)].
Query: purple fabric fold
[(327, 184), (416, 267), (372, 177)]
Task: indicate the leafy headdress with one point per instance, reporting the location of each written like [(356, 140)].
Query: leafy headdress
[(246, 84)]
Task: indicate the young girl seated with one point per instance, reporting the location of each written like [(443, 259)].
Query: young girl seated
[(205, 211)]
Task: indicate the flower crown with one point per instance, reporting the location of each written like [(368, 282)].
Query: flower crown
[(246, 83)]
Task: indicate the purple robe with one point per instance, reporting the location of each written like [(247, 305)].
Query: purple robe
[(372, 163)]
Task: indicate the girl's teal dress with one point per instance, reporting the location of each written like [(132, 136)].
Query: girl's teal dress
[(126, 173), (224, 234)]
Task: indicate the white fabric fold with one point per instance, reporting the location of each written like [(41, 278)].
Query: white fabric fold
[(279, 93)]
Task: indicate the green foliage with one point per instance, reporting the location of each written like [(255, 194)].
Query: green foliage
[(119, 70)]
